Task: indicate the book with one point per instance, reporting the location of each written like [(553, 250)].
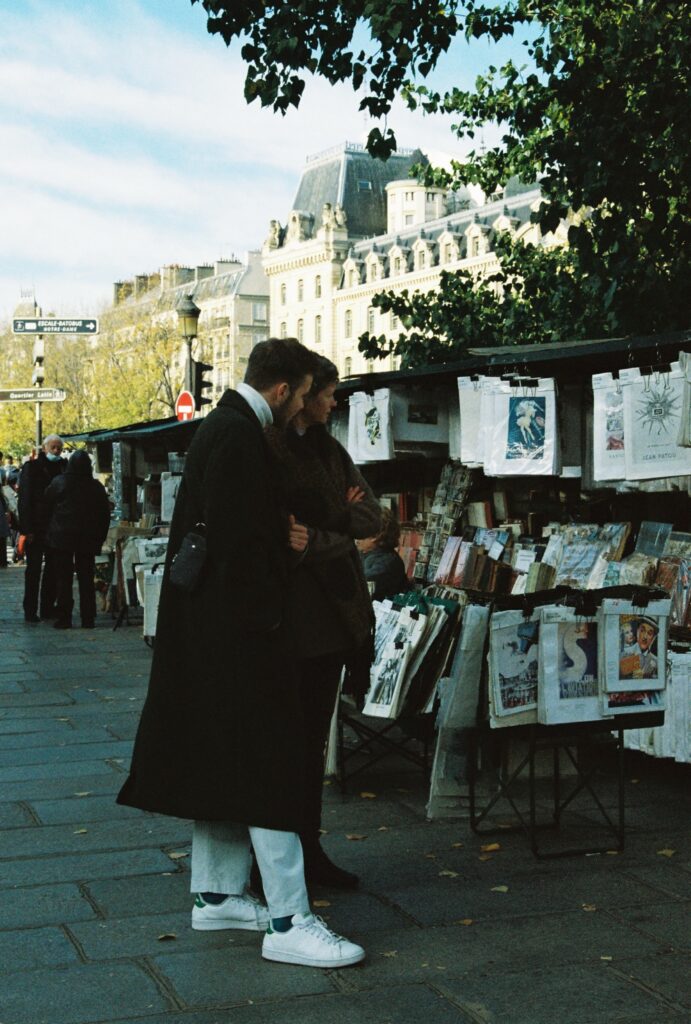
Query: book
[(673, 576), (652, 538), (678, 545), (447, 562), (479, 513), (458, 576)]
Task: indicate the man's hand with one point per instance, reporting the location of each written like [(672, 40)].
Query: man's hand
[(354, 494), (298, 535)]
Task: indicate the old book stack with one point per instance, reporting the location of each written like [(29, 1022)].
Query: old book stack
[(449, 502)]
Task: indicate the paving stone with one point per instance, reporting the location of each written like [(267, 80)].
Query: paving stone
[(73, 769), (85, 809), (139, 936), (100, 778), (44, 904), (82, 868), (62, 753), (15, 727), (153, 894), (664, 876), (13, 816), (27, 700), (405, 1004), (666, 922), (74, 995), (578, 993), (667, 975), (144, 831), (11, 686), (35, 947), (233, 975), (60, 735)]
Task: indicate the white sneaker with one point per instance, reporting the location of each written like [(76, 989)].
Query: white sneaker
[(311, 943), (244, 912)]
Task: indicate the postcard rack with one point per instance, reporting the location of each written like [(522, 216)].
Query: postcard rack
[(558, 739)]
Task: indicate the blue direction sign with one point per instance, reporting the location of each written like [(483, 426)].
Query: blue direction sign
[(53, 325)]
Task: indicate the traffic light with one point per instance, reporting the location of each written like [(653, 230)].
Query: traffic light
[(199, 385)]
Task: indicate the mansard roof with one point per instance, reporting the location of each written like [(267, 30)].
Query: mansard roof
[(349, 176)]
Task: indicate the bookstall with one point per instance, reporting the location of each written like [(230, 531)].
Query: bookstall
[(545, 494)]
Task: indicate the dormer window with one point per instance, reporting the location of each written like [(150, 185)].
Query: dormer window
[(397, 265), (449, 252), (364, 186), (475, 246), (352, 278), (422, 259)]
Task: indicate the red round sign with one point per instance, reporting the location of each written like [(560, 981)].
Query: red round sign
[(184, 406)]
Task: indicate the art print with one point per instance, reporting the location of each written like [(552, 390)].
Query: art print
[(526, 428), (514, 658), (633, 645), (638, 649), (652, 414), (568, 688)]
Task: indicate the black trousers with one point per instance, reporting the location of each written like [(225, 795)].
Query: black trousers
[(319, 679), (66, 564), (37, 582)]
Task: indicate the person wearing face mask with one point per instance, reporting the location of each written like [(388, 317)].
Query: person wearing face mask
[(330, 609), (39, 579)]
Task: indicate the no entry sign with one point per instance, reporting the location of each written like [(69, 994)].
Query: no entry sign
[(184, 406)]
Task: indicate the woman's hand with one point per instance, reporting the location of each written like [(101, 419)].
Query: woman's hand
[(354, 494), (298, 535)]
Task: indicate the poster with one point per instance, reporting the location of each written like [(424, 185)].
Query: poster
[(633, 645), (608, 428), (568, 689), (513, 668), (469, 401), (369, 427), (652, 415), (521, 435)]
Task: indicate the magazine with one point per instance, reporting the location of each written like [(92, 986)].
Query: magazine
[(513, 668), (633, 645), (567, 667)]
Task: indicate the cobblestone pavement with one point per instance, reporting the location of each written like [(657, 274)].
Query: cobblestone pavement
[(94, 909)]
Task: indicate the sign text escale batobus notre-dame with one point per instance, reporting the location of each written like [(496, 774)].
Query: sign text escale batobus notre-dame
[(54, 325)]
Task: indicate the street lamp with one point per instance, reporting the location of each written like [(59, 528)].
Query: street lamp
[(188, 318)]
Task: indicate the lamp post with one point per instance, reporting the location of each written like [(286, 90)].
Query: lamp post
[(188, 318)]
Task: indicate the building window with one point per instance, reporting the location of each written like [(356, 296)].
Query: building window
[(394, 322), (475, 246), (364, 186), (348, 323), (373, 271), (397, 265), (370, 320), (348, 365), (317, 329), (283, 330), (408, 219), (283, 294), (430, 197), (352, 278), (259, 312), (301, 330), (318, 287), (448, 252), (422, 259), (301, 290), (409, 197)]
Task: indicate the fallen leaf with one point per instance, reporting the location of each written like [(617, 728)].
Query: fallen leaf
[(430, 856), (85, 792), (605, 958), (485, 856), (368, 796), (448, 874), (634, 781), (500, 888), (424, 965), (613, 853), (666, 853), (589, 906), (457, 846), (439, 967), (178, 855), (355, 836), (79, 832), (323, 831), (62, 719), (327, 782), (167, 936), (321, 903), (393, 952), (383, 828), (504, 824), (466, 921)]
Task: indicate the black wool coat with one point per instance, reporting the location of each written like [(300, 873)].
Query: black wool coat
[(34, 478), (220, 737), (75, 509)]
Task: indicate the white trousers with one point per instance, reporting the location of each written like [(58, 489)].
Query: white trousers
[(221, 863)]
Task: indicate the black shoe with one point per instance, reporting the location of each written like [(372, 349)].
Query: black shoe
[(31, 618), (319, 870), (62, 624)]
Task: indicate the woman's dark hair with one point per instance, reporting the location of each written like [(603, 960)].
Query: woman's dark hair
[(325, 373), (390, 533), (278, 361)]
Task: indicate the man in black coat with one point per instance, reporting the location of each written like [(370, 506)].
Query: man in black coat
[(35, 477), (220, 738), (77, 513)]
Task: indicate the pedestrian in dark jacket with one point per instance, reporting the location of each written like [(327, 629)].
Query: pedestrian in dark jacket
[(221, 734), (330, 611), (382, 564), (76, 512), (39, 579)]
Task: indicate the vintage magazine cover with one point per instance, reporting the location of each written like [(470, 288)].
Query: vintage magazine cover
[(633, 645), (395, 643), (523, 439), (567, 667), (608, 428), (652, 414), (513, 668)]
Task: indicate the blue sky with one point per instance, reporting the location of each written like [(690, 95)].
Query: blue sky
[(126, 144)]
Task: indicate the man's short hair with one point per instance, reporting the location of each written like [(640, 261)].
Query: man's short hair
[(52, 437), (278, 361)]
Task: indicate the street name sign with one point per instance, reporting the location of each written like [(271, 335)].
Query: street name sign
[(32, 395), (184, 406), (53, 325)]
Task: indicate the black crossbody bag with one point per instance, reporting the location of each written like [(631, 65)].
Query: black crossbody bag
[(187, 565)]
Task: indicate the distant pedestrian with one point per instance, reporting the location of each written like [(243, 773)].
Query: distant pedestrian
[(4, 528), (39, 580), (77, 516), (382, 565)]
